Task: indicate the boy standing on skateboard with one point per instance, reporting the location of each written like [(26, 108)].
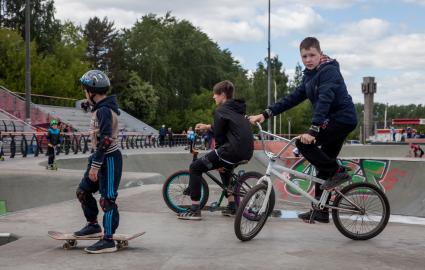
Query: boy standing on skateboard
[(53, 139), (334, 117), (104, 168)]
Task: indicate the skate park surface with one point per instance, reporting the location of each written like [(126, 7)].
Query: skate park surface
[(44, 200)]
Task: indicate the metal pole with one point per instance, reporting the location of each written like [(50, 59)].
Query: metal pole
[(289, 128), (269, 77), (274, 118), (27, 63), (385, 116)]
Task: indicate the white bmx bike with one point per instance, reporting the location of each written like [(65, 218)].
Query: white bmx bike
[(360, 211)]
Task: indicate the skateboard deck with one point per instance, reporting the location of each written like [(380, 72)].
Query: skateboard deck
[(71, 240)]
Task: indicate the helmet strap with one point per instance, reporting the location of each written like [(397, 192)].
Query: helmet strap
[(91, 96)]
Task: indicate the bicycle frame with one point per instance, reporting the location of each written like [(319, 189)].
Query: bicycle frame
[(234, 177), (277, 170)]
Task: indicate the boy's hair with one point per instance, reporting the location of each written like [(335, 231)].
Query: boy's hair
[(225, 87), (310, 42)]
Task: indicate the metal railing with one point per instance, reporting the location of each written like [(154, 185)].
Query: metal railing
[(14, 143)]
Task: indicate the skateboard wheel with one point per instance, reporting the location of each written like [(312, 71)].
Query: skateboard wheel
[(66, 246)]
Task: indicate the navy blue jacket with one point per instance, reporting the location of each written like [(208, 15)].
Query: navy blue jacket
[(326, 90), (105, 127)]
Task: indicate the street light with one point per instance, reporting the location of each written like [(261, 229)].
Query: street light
[(269, 77), (27, 63)]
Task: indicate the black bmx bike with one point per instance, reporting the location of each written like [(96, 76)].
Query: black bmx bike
[(176, 190)]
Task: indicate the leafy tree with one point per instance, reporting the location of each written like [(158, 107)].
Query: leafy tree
[(139, 98), (45, 29), (100, 36)]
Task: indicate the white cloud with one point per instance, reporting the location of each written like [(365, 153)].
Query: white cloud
[(297, 18), (420, 2), (407, 88)]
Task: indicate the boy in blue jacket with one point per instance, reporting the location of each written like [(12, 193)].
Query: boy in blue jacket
[(104, 168), (334, 117), (53, 139)]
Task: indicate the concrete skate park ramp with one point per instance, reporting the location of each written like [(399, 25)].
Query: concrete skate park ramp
[(402, 180), (32, 186)]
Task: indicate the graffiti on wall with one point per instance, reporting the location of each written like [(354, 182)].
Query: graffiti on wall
[(376, 172)]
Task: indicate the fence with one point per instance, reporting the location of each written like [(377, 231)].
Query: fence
[(35, 143)]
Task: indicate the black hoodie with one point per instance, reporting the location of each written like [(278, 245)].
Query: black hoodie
[(104, 125), (232, 131)]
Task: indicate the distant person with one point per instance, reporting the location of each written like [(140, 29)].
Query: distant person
[(417, 150), (334, 118), (162, 134), (402, 135), (409, 132), (190, 138), (393, 133), (53, 140), (170, 137)]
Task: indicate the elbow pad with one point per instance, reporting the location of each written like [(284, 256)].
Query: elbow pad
[(104, 143)]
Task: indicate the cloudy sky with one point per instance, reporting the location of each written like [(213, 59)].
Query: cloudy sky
[(380, 38)]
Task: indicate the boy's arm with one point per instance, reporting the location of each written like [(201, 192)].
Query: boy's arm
[(49, 138), (329, 80), (286, 103), (104, 117)]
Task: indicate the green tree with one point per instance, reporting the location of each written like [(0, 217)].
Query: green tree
[(45, 29), (100, 36), (139, 98)]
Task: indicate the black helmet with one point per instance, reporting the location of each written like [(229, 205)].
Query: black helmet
[(95, 81)]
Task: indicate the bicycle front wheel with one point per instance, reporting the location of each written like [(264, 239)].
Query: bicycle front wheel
[(245, 183), (176, 192), (248, 220), (363, 211)]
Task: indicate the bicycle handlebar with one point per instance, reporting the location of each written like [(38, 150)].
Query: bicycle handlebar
[(270, 154)]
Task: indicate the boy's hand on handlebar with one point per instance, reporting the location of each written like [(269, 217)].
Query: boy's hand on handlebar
[(256, 118), (307, 138)]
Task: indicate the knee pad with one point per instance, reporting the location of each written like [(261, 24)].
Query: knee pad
[(107, 204), (81, 195)]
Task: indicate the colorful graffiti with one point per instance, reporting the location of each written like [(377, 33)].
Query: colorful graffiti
[(376, 172)]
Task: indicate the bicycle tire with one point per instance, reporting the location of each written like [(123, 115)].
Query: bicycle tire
[(240, 213), (172, 203), (358, 189), (242, 188)]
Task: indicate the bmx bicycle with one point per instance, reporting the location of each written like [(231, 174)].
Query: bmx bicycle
[(176, 190), (360, 211)]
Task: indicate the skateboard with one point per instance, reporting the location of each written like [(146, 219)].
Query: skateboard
[(71, 240), (53, 167)]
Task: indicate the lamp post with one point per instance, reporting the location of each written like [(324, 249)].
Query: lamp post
[(27, 63), (269, 77)]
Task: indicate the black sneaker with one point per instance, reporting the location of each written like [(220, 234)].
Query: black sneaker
[(194, 213), (102, 246), (90, 230), (336, 180), (316, 215), (230, 210)]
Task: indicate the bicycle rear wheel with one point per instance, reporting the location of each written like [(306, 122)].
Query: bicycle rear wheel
[(365, 211), (248, 220), (176, 193)]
